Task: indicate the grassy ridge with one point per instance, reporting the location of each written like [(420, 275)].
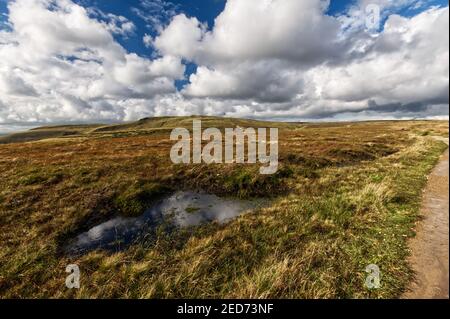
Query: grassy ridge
[(143, 126), (345, 196)]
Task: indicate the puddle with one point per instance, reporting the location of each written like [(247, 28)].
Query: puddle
[(181, 209)]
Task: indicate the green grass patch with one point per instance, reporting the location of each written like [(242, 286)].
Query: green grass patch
[(136, 198)]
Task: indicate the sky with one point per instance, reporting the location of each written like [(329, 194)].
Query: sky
[(86, 61)]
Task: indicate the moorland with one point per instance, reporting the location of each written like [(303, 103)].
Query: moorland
[(345, 195)]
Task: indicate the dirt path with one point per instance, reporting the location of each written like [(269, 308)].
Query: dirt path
[(429, 248)]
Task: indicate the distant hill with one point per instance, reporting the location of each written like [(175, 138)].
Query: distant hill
[(45, 132), (170, 122), (150, 124)]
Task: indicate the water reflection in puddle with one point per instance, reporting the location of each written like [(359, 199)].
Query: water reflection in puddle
[(181, 209)]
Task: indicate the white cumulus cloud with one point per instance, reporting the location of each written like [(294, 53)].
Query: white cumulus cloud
[(286, 59), (57, 63)]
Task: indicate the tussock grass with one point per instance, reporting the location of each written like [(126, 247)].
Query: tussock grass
[(345, 196)]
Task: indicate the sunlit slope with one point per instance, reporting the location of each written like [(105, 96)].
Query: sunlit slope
[(143, 126)]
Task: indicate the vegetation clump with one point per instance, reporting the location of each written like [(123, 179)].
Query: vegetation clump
[(137, 197)]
